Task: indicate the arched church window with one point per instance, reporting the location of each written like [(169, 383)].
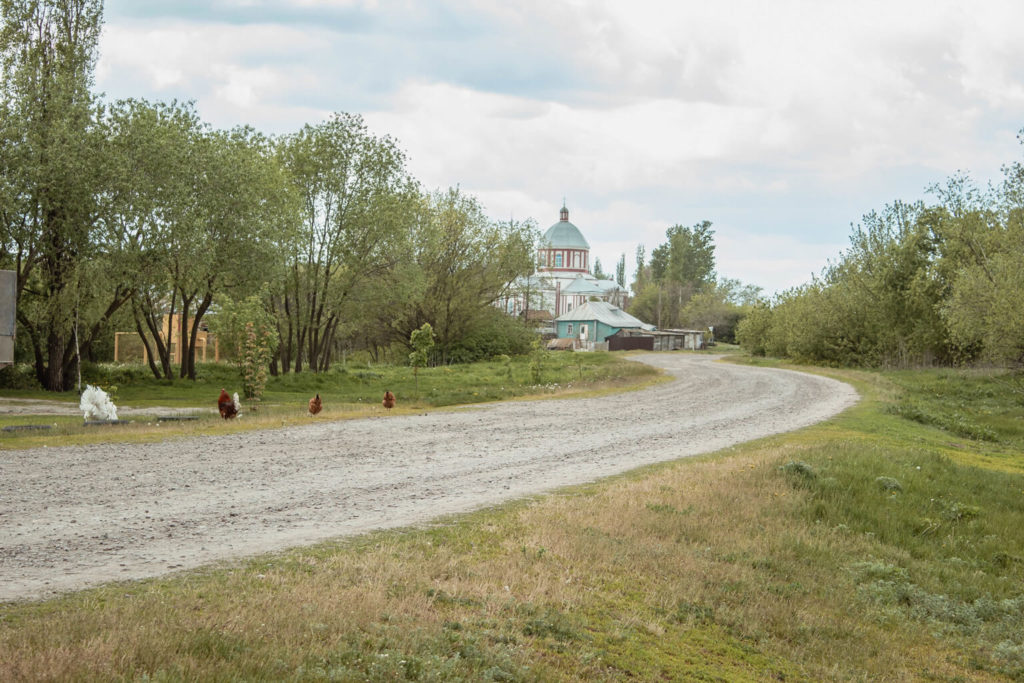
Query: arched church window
[(558, 260)]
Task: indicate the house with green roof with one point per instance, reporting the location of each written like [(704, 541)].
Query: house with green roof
[(594, 321)]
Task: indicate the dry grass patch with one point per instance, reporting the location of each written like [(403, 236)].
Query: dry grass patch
[(696, 569), (782, 559)]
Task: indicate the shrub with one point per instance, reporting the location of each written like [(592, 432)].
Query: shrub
[(889, 485), (231, 326), (800, 469), (753, 330), (255, 361), (492, 334), (102, 374), (800, 474), (18, 376)]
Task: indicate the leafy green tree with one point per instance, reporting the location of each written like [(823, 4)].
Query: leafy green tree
[(738, 293), (205, 210), (620, 271), (981, 237), (641, 269), (378, 311), (538, 354), (493, 333), (883, 291), (598, 271), (467, 263), (358, 208), (151, 171), (528, 291), (422, 343), (243, 214), (877, 305), (679, 268), (918, 285), (233, 321), (648, 304), (50, 164), (255, 362), (720, 306), (752, 332), (686, 262), (983, 309)]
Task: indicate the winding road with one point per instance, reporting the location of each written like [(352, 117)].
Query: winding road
[(77, 516)]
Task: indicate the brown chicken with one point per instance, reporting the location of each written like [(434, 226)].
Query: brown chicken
[(227, 405), (389, 400), (315, 405)]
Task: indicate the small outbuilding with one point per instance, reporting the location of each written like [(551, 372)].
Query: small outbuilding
[(656, 340), (591, 323)]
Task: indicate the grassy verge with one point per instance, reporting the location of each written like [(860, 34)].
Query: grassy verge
[(347, 392), (869, 547)]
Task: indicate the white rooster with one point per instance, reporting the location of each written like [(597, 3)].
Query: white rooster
[(96, 404)]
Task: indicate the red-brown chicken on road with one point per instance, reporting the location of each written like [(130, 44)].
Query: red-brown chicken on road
[(389, 400), (315, 405), (227, 405)]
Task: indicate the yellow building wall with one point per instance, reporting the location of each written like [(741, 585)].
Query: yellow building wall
[(128, 346)]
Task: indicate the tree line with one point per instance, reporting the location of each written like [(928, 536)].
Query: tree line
[(679, 288), (922, 283), (117, 214)]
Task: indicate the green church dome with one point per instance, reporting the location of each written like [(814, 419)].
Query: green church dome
[(564, 235)]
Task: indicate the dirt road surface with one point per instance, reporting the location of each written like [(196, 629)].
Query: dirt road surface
[(77, 516)]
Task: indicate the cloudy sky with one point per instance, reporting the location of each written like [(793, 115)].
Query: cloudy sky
[(780, 122)]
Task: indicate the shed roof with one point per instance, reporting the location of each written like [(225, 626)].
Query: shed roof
[(650, 331), (604, 312), (582, 285), (588, 284), (608, 285)]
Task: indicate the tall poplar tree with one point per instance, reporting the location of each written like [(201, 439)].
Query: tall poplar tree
[(681, 267), (50, 164)]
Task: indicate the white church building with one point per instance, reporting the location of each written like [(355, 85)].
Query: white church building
[(563, 280)]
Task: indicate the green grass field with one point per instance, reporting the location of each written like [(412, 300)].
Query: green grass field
[(885, 544), (347, 392)]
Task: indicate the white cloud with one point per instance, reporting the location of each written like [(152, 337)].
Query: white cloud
[(641, 112), (230, 70), (334, 3), (459, 135)]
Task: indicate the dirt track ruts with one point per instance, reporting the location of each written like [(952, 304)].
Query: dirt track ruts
[(76, 516)]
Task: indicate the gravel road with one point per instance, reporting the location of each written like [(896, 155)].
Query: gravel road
[(77, 516)]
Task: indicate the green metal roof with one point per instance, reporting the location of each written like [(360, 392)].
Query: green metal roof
[(582, 285), (588, 284), (564, 234), (604, 312)]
